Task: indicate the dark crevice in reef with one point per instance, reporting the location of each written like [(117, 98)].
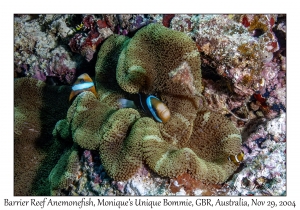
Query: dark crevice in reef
[(210, 73), (55, 107)]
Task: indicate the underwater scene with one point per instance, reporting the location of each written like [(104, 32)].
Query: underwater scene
[(150, 104)]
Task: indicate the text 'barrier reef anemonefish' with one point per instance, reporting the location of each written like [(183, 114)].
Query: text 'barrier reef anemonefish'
[(83, 83), (236, 159), (151, 105)]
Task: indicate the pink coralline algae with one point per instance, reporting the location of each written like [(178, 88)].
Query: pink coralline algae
[(167, 20), (264, 171), (56, 67), (37, 53), (86, 42), (232, 49), (262, 25), (234, 52), (97, 28), (138, 21), (241, 56)]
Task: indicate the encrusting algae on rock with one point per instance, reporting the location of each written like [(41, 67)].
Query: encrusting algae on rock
[(150, 116)]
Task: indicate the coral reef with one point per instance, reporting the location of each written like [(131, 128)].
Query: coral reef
[(178, 82), (96, 148), (86, 43), (265, 166), (38, 53), (240, 62), (93, 124), (233, 52), (239, 49), (94, 29)]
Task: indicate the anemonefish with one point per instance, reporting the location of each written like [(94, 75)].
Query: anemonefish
[(150, 104), (83, 83), (236, 159)]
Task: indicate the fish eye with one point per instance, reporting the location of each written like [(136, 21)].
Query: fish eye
[(81, 80)]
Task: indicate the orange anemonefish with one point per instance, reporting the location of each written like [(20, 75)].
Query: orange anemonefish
[(83, 83), (150, 104), (236, 159)]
